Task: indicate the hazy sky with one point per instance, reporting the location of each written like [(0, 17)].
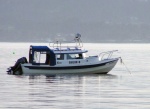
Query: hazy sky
[(96, 20)]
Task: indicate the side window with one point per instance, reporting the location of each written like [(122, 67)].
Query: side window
[(69, 56), (74, 56), (39, 57), (80, 56), (60, 56)]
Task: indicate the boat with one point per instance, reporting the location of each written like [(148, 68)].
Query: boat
[(63, 58)]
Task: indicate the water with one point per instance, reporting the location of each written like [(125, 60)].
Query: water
[(117, 90)]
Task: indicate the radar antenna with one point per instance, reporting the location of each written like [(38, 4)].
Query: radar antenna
[(78, 41)]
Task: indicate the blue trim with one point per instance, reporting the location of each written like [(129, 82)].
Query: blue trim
[(40, 48)]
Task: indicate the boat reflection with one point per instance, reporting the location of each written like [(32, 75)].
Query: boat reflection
[(72, 78)]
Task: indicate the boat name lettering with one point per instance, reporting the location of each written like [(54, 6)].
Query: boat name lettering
[(74, 62)]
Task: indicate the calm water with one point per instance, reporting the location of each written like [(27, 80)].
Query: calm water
[(117, 90)]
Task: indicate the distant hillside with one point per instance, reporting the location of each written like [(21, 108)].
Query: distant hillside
[(95, 20), (91, 32)]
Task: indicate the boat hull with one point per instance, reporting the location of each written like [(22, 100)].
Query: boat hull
[(99, 68)]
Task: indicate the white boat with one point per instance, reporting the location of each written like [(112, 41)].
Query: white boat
[(63, 59)]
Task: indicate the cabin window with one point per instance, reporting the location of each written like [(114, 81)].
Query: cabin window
[(39, 57), (84, 55), (60, 56), (74, 56)]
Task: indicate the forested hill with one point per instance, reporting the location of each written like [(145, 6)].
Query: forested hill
[(96, 20)]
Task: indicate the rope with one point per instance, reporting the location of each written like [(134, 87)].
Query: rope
[(121, 61)]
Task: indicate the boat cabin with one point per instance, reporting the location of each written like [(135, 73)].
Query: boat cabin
[(43, 55)]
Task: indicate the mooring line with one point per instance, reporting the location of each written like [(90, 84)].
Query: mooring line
[(121, 60)]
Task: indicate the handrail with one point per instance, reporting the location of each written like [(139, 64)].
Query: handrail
[(109, 53), (64, 44)]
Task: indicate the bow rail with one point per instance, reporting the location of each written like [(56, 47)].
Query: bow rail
[(108, 53)]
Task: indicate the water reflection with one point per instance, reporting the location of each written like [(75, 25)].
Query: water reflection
[(73, 79), (77, 77)]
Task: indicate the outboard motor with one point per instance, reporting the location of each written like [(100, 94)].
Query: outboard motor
[(16, 69)]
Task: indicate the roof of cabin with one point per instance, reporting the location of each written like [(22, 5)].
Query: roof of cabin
[(40, 48), (58, 51)]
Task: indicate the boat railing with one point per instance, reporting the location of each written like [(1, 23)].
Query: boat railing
[(106, 55), (76, 43)]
